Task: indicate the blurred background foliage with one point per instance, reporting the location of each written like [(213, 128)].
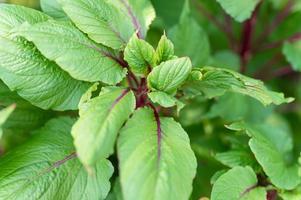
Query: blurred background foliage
[(204, 120)]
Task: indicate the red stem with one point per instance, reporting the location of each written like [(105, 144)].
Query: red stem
[(278, 20), (247, 33)]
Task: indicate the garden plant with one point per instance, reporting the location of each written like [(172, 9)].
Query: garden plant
[(150, 100)]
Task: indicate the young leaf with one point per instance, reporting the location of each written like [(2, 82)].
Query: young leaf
[(46, 168), (190, 39), (169, 75), (157, 150), (12, 16), (237, 183), (36, 79), (74, 52), (102, 22), (239, 10), (141, 14), (165, 50), (165, 100), (266, 141), (4, 114), (140, 55), (100, 120), (216, 81), (53, 8), (292, 53)]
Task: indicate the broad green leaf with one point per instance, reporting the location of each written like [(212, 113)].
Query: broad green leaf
[(36, 79), (4, 114), (190, 39), (53, 8), (239, 10), (165, 100), (216, 81), (12, 16), (74, 52), (100, 120), (235, 158), (225, 59), (103, 22), (165, 50), (140, 56), (155, 158), (239, 183), (25, 117), (46, 167), (292, 52), (169, 75), (141, 14), (265, 140), (234, 107)]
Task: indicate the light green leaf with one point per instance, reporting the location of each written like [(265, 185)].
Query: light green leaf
[(155, 166), (190, 39), (74, 52), (291, 195), (46, 168), (140, 55), (36, 79), (4, 114), (141, 14), (103, 22), (12, 16), (265, 140), (165, 50), (53, 8), (165, 100), (216, 81), (292, 52), (100, 120), (25, 117), (239, 10), (169, 75), (239, 183), (235, 158)]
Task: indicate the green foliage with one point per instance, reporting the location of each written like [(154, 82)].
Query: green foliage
[(163, 174), (101, 99)]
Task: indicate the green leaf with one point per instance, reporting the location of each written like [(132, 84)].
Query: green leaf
[(25, 117), (266, 140), (100, 120), (166, 161), (74, 52), (169, 75), (216, 81), (141, 14), (36, 79), (140, 56), (190, 39), (292, 52), (12, 16), (4, 114), (103, 22), (53, 8), (238, 183), (235, 158), (165, 50), (46, 168), (165, 100), (239, 10)]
